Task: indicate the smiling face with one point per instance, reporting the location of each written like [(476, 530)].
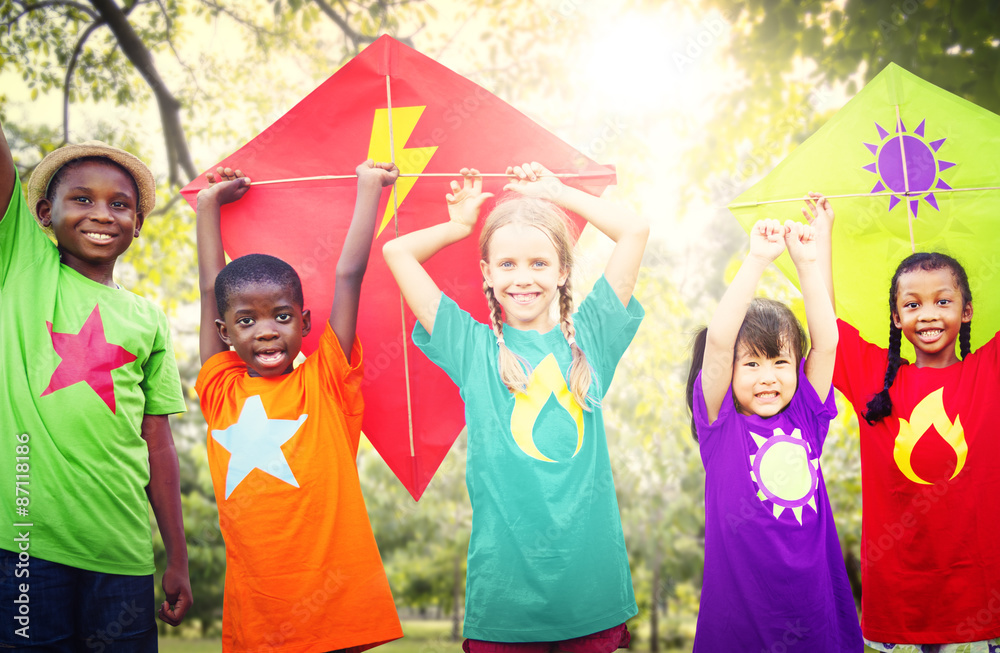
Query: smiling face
[(930, 311), (265, 325), (93, 213), (524, 271), (761, 385)]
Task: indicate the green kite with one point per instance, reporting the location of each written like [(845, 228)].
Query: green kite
[(908, 167)]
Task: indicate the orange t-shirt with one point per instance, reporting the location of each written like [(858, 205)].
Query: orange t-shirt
[(303, 572)]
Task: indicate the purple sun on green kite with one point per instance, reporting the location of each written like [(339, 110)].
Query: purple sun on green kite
[(907, 166)]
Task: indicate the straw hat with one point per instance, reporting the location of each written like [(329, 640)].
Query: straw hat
[(38, 185)]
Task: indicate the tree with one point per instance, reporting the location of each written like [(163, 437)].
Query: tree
[(98, 50), (796, 53)]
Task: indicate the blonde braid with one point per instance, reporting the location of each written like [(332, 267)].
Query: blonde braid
[(579, 370), (512, 371)]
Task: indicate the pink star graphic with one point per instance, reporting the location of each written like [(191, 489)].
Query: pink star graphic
[(87, 356)]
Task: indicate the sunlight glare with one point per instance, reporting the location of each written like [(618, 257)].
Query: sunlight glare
[(650, 61)]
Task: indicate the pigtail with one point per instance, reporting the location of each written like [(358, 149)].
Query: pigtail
[(697, 360), (511, 366), (965, 339), (880, 405), (580, 373)]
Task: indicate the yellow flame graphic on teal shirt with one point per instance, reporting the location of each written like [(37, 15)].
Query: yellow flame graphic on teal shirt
[(546, 380)]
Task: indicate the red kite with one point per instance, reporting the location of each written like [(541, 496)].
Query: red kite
[(388, 103)]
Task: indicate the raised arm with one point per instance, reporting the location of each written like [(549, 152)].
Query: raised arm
[(7, 174), (804, 248), (628, 230), (232, 185), (766, 243), (819, 212), (165, 496), (405, 255), (353, 261)]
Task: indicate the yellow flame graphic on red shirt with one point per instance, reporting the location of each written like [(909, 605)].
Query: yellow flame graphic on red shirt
[(929, 412)]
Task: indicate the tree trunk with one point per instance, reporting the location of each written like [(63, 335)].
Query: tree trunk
[(456, 598), (654, 614), (132, 46)]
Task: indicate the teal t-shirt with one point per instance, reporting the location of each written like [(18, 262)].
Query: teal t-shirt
[(547, 558), (81, 363)]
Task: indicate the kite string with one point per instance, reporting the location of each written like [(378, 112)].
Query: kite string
[(746, 205), (402, 305), (906, 180), (415, 174)]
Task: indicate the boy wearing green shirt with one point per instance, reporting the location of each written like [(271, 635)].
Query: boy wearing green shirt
[(85, 439)]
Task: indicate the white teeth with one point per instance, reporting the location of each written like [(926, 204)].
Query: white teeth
[(99, 236)]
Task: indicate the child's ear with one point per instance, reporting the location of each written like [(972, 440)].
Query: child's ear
[(967, 312), (563, 276), (223, 332), (140, 219), (895, 320), (306, 322), (485, 267), (43, 209)]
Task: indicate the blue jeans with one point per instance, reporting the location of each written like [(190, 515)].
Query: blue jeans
[(46, 606)]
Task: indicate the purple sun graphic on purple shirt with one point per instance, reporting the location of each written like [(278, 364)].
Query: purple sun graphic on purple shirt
[(907, 166)]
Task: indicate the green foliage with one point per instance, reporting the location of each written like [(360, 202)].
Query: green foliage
[(423, 546), (793, 52)]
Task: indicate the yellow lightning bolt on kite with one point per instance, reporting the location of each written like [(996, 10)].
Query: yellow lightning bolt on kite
[(409, 160)]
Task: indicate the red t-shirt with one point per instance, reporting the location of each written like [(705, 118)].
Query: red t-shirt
[(303, 572), (930, 544)]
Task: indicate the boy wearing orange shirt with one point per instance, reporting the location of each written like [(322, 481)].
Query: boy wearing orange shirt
[(303, 572)]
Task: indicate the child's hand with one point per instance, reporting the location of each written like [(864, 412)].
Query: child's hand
[(800, 239), (464, 201), (818, 211), (533, 180), (230, 185), (767, 240), (385, 173)]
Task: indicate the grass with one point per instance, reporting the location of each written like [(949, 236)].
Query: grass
[(420, 636)]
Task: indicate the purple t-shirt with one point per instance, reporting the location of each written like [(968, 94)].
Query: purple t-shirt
[(774, 572)]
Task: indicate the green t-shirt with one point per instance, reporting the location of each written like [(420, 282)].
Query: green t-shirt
[(547, 558), (81, 364)]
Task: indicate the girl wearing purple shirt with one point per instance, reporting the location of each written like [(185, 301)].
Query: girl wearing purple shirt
[(774, 577)]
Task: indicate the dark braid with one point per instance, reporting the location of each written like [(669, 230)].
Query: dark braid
[(880, 405), (697, 360), (965, 339)]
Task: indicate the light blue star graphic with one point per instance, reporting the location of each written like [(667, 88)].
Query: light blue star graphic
[(254, 441)]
